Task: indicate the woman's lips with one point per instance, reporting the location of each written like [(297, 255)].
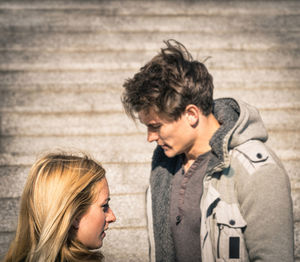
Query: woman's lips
[(103, 234)]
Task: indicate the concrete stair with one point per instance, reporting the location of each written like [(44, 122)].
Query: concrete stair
[(62, 66)]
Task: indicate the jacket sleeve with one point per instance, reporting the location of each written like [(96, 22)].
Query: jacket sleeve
[(265, 200)]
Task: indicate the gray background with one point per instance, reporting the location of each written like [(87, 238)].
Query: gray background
[(62, 65)]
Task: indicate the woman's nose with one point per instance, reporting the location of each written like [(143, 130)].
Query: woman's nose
[(110, 216)]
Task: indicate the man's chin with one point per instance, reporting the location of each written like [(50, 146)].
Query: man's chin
[(169, 153)]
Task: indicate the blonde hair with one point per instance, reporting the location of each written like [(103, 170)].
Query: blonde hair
[(59, 189)]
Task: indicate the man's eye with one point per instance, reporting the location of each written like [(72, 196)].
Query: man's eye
[(154, 127), (105, 207)]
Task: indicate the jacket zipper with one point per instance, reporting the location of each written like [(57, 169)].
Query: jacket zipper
[(219, 237)]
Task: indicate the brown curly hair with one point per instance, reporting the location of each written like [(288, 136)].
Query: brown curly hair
[(168, 83)]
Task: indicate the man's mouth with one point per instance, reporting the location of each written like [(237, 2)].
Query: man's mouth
[(164, 146)]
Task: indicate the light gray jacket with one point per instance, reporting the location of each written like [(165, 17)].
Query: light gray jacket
[(246, 207)]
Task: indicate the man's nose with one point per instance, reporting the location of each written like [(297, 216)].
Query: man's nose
[(152, 136)]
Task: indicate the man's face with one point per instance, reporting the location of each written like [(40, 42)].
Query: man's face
[(175, 137)]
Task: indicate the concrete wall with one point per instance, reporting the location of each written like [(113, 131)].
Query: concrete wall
[(62, 65)]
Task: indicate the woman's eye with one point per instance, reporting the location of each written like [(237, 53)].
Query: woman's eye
[(105, 207)]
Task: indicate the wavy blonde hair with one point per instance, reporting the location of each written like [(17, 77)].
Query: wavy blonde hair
[(60, 188)]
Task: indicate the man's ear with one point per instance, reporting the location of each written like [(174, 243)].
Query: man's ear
[(192, 114)]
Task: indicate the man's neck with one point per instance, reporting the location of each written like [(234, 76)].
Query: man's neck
[(207, 127)]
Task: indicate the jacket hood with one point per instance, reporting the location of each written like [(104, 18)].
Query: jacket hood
[(240, 122)]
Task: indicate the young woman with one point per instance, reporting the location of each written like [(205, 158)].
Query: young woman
[(64, 211)]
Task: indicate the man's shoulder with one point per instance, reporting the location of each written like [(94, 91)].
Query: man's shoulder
[(253, 155)]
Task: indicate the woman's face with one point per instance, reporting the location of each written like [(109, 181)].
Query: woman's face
[(95, 221)]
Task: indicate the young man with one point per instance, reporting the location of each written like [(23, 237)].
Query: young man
[(217, 192)]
